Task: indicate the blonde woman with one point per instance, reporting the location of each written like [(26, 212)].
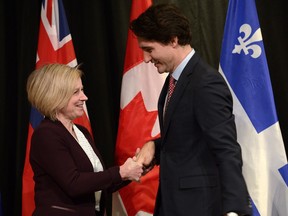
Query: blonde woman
[(69, 174)]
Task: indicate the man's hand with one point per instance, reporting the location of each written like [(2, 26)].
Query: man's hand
[(145, 155)]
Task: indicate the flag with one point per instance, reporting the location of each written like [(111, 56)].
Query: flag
[(244, 66), (138, 121), (54, 46)]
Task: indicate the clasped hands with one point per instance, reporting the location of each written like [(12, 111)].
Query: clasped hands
[(140, 164)]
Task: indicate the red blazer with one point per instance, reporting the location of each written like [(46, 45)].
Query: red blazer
[(63, 175), (200, 159)]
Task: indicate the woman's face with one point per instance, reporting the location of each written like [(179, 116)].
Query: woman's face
[(75, 106)]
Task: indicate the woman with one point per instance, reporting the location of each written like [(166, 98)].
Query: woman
[(69, 175)]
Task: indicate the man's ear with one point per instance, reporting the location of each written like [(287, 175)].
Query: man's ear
[(174, 41)]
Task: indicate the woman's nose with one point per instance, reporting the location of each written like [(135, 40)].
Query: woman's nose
[(83, 97)]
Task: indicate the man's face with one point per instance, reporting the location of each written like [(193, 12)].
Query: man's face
[(162, 56)]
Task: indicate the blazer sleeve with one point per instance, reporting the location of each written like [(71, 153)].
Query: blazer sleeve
[(54, 153), (114, 187)]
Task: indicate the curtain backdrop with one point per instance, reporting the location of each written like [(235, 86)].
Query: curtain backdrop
[(99, 30)]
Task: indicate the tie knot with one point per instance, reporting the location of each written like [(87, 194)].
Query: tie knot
[(172, 83), (171, 80)]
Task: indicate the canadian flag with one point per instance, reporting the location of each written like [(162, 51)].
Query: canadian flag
[(138, 122)]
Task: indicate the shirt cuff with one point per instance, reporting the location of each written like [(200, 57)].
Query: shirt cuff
[(232, 214)]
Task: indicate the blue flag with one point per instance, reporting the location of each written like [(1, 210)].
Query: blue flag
[(244, 66)]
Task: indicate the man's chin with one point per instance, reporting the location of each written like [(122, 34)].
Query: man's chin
[(159, 69), (161, 72)]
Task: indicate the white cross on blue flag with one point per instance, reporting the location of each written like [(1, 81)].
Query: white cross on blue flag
[(244, 66)]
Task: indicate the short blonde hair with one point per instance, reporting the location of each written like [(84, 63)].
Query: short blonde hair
[(50, 87)]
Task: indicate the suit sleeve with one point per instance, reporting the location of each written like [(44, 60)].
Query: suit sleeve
[(214, 115), (157, 150)]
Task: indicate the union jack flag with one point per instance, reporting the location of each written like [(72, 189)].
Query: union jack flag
[(54, 46)]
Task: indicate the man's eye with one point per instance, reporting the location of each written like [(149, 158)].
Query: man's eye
[(147, 50)]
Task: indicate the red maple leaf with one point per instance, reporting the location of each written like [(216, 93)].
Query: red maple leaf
[(134, 130)]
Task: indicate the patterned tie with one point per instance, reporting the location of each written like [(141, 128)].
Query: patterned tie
[(172, 84)]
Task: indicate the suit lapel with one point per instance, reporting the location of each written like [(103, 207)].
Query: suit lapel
[(181, 85), (161, 102)]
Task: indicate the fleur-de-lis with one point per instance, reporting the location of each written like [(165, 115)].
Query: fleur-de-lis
[(246, 43)]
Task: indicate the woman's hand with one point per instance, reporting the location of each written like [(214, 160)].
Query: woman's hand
[(131, 170)]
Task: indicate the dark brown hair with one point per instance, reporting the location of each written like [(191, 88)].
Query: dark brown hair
[(161, 23)]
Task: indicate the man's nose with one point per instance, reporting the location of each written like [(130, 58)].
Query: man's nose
[(147, 57)]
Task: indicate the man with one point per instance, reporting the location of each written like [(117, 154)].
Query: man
[(200, 159)]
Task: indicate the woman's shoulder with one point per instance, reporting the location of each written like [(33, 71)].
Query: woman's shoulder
[(48, 126)]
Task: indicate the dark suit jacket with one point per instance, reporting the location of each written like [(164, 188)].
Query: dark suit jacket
[(63, 175), (200, 159)]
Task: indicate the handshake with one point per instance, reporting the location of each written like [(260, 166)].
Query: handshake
[(140, 164)]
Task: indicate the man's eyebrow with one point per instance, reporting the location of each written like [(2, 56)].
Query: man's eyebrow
[(145, 47)]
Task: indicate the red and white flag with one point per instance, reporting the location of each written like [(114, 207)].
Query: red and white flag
[(54, 46), (138, 122)]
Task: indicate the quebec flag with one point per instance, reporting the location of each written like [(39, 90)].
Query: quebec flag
[(244, 66)]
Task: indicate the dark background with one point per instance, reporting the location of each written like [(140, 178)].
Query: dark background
[(99, 30)]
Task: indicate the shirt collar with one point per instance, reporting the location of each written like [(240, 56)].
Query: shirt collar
[(176, 74)]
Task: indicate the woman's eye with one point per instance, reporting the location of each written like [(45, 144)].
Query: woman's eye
[(78, 91)]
